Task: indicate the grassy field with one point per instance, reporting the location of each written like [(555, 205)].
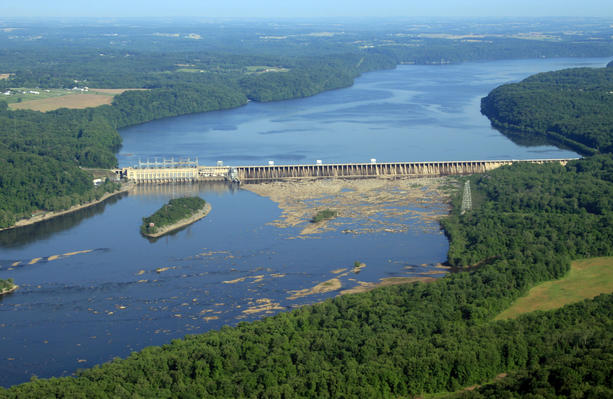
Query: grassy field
[(587, 278), (49, 100), (20, 94)]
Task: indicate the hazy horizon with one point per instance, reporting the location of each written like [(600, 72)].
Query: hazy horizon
[(313, 9)]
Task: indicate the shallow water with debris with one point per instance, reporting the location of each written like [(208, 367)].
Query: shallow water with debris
[(98, 289)]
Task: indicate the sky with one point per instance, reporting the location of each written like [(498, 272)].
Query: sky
[(306, 8)]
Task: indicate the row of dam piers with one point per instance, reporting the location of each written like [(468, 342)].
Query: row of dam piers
[(262, 173)]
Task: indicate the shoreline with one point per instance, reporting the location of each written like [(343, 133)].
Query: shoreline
[(386, 282), (125, 187), (182, 223), (10, 290)]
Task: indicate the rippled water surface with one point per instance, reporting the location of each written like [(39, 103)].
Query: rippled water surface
[(92, 288), (412, 113)]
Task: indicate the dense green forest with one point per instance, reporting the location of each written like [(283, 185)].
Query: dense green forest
[(437, 51), (562, 210), (571, 107), (172, 212), (576, 372), (527, 223), (41, 156)]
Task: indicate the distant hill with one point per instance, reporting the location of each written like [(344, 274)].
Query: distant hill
[(571, 107)]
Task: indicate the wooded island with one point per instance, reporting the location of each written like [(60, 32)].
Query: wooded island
[(7, 286), (177, 213)]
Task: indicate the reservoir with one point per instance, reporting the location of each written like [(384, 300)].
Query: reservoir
[(92, 288)]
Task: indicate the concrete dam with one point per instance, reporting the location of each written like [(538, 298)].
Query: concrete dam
[(169, 172)]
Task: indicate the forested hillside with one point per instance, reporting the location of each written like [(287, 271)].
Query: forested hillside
[(580, 371), (437, 51), (553, 211), (40, 159), (571, 107), (528, 222)]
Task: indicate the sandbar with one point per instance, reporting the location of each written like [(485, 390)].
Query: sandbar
[(384, 282), (363, 206), (321, 288)]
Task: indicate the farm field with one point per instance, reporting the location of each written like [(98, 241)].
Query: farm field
[(59, 98), (587, 279)]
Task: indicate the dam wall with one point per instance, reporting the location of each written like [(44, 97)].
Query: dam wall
[(252, 174), (261, 173)]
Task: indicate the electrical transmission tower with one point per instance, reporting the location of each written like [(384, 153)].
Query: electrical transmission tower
[(467, 201)]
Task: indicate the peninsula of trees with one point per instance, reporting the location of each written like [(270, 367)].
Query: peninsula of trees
[(177, 213), (572, 107)]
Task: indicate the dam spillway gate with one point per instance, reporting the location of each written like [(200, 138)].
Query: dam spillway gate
[(182, 172)]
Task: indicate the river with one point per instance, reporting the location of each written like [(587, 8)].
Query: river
[(92, 288)]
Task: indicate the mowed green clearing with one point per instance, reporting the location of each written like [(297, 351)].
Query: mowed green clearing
[(587, 278)]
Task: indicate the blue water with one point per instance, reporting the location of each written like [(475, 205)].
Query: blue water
[(74, 310), (412, 113), (81, 309)]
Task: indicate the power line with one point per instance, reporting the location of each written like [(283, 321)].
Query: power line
[(467, 201)]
